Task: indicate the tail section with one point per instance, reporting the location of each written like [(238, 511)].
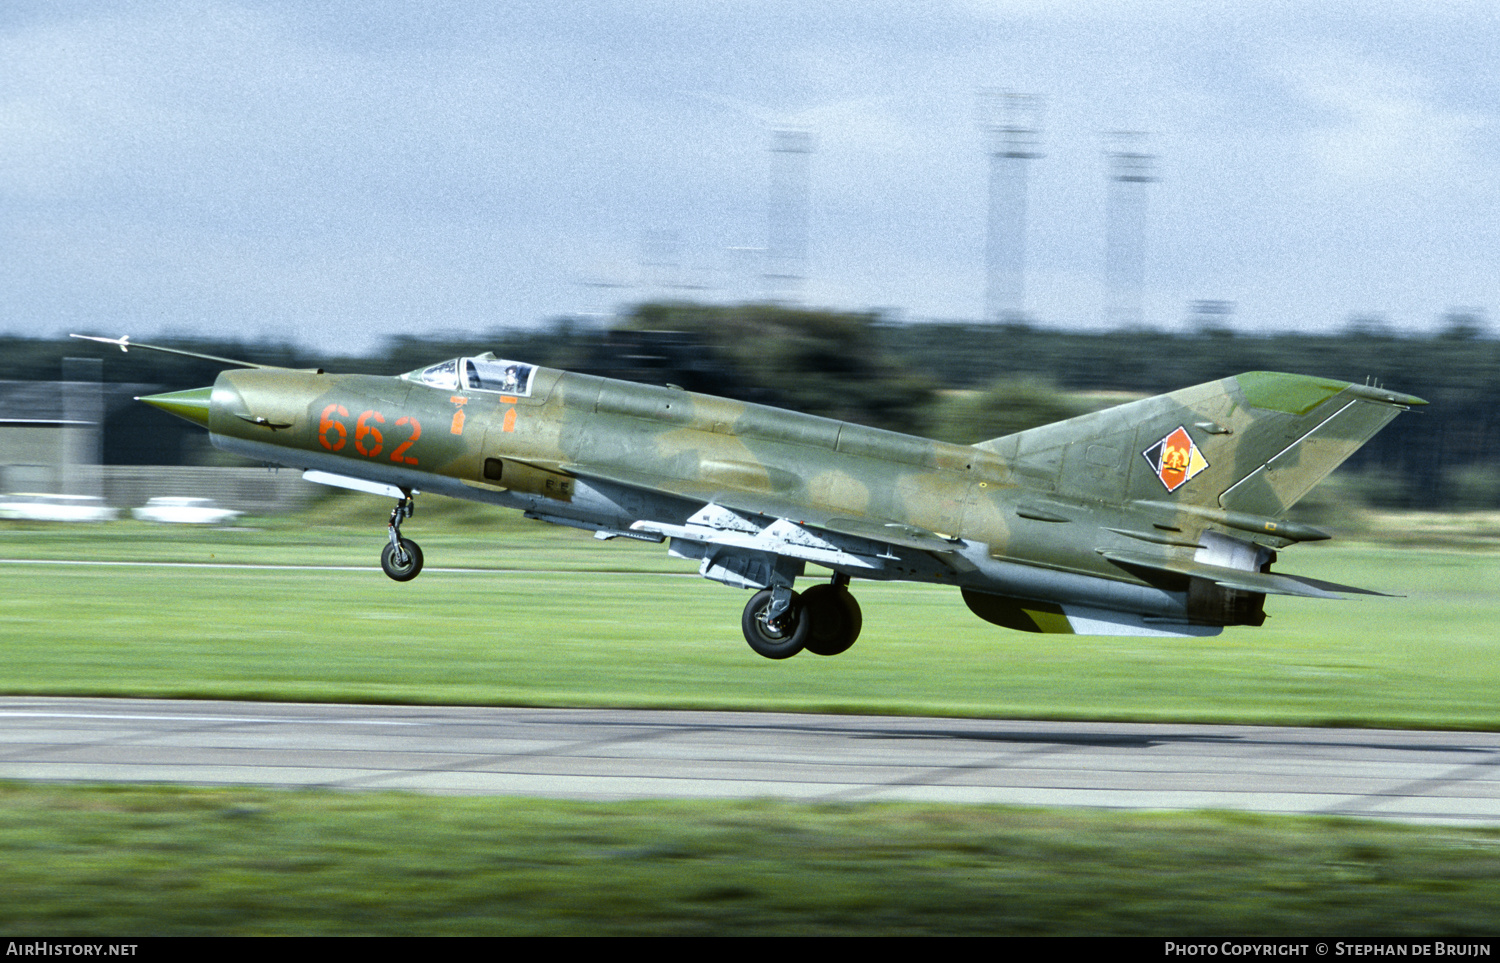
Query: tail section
[(1253, 444)]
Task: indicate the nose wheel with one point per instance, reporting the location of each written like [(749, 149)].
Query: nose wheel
[(402, 558)]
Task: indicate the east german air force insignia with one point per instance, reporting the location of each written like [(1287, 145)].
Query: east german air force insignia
[(1175, 459)]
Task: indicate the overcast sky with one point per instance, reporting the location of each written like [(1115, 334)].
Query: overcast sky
[(336, 172)]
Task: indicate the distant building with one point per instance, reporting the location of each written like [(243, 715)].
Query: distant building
[(49, 438), (51, 442)]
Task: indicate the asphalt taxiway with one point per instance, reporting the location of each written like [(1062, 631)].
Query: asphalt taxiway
[(1437, 777)]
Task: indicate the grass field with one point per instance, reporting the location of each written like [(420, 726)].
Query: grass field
[(541, 616), (514, 613), (134, 861)]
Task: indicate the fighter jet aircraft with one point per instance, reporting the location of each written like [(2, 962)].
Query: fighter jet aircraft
[(1159, 517)]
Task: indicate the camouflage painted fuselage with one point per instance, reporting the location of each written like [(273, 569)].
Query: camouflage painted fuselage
[(1159, 515)]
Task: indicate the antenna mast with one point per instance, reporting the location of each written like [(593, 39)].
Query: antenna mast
[(786, 220), (1013, 125), (1130, 170)]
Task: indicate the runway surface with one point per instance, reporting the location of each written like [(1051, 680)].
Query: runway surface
[(1439, 777)]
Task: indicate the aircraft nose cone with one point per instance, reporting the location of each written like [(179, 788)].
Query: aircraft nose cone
[(192, 404)]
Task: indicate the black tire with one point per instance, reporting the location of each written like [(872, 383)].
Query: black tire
[(834, 617), (769, 642), (397, 571)]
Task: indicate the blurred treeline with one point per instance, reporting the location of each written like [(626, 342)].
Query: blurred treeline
[(961, 382)]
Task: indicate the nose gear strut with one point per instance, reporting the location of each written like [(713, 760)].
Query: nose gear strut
[(402, 558)]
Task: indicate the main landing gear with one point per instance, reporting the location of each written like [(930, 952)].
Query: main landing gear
[(825, 620), (402, 558)]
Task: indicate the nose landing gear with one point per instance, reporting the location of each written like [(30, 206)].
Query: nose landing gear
[(402, 558)]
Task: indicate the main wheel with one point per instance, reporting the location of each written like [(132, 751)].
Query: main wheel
[(835, 619), (393, 566), (782, 640)]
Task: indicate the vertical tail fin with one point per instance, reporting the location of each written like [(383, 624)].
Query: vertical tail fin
[(1253, 443)]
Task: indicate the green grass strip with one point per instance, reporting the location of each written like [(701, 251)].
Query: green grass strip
[(540, 617), (149, 861)]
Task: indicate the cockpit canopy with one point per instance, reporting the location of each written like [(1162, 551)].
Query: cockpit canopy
[(483, 372)]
